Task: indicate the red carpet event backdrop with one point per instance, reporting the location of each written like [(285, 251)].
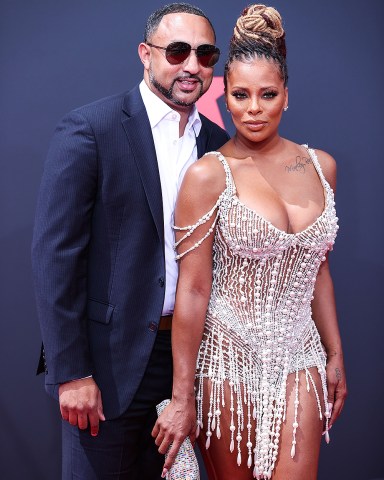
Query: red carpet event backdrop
[(56, 56)]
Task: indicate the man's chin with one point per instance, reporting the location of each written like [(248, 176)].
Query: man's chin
[(185, 102), (187, 99), (188, 95)]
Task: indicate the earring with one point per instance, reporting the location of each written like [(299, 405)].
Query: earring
[(285, 108)]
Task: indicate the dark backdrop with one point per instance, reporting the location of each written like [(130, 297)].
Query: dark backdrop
[(55, 56)]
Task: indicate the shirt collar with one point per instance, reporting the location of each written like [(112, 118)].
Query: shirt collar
[(157, 110)]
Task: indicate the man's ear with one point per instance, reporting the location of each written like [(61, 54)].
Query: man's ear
[(144, 54)]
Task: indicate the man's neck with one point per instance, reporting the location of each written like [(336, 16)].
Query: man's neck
[(183, 111)]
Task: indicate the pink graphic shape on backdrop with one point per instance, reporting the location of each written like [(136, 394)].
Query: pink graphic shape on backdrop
[(208, 106)]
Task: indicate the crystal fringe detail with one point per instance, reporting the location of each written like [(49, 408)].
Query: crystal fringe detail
[(254, 393)]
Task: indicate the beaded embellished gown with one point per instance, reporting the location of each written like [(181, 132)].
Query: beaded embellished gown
[(259, 325)]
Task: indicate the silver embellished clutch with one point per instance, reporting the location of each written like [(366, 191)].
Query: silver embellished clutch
[(185, 466)]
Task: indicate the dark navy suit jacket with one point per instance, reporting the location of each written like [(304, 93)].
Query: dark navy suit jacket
[(98, 247)]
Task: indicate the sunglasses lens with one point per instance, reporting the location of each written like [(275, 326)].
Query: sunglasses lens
[(208, 55), (177, 52)]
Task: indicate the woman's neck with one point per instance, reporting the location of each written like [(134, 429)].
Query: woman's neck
[(245, 147)]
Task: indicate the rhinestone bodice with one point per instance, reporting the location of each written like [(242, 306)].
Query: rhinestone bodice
[(264, 275)]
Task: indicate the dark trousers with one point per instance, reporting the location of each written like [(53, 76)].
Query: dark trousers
[(124, 448)]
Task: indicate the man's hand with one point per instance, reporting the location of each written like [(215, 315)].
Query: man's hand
[(176, 422), (80, 403)]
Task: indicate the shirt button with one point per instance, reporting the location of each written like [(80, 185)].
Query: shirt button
[(152, 327), (161, 281)]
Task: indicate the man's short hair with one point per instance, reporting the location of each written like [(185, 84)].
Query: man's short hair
[(156, 17)]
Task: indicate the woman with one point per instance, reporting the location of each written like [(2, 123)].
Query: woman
[(262, 328)]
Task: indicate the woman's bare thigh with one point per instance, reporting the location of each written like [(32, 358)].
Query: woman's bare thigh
[(308, 435), (219, 461), (221, 464)]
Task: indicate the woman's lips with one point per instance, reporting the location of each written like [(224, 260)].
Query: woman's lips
[(256, 125)]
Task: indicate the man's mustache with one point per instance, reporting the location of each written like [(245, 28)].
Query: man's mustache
[(186, 77)]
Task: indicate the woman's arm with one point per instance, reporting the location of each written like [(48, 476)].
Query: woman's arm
[(200, 190), (324, 314), (325, 317)]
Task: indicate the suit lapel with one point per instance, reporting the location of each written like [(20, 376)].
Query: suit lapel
[(202, 140), (139, 134)]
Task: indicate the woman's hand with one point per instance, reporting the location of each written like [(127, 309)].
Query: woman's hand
[(197, 199), (176, 422), (337, 386)]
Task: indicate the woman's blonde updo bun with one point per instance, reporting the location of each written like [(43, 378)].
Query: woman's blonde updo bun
[(262, 24), (258, 32)]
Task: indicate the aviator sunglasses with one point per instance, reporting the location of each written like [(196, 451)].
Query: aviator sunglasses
[(177, 52)]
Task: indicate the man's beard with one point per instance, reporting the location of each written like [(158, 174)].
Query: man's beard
[(168, 93)]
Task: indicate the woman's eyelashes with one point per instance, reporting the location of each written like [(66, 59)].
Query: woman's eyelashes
[(270, 94), (240, 95)]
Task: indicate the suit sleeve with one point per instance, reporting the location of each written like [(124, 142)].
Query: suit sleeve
[(60, 248)]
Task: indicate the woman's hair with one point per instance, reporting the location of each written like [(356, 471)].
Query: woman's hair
[(259, 33)]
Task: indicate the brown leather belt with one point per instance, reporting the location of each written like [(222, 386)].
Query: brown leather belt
[(165, 323)]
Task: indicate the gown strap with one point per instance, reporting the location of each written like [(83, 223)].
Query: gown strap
[(316, 164), (229, 182), (213, 212)]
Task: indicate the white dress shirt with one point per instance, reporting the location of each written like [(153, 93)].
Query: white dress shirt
[(174, 155)]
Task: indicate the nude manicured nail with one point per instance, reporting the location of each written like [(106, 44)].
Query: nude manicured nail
[(164, 473)]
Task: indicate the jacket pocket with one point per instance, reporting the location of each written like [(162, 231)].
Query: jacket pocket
[(100, 311)]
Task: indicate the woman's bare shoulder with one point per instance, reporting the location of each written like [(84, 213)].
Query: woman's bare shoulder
[(206, 174), (328, 166), (326, 161)]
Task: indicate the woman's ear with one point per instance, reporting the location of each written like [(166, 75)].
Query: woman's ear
[(286, 99)]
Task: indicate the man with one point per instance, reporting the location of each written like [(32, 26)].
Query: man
[(102, 252)]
